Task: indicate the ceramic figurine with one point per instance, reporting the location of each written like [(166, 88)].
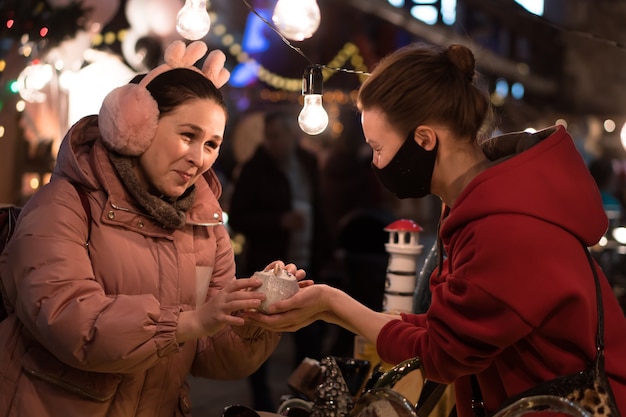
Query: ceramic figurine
[(403, 248), (278, 284)]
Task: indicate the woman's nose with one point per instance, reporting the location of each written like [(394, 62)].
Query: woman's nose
[(196, 155)]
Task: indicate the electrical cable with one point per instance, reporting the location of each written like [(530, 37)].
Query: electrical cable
[(298, 50)]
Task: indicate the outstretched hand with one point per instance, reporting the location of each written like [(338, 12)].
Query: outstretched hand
[(294, 313), (315, 302)]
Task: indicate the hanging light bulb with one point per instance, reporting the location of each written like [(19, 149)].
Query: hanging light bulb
[(296, 19), (192, 21), (313, 119)]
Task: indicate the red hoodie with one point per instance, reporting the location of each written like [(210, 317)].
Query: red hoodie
[(515, 302)]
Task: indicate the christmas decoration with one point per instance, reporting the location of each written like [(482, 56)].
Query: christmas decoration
[(41, 23)]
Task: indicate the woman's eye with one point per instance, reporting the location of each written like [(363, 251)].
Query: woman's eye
[(211, 144)]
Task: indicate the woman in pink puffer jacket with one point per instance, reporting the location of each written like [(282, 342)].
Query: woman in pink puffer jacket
[(110, 311)]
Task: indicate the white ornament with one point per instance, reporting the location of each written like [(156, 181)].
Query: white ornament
[(278, 284)]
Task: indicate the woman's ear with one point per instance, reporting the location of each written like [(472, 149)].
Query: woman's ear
[(425, 137)]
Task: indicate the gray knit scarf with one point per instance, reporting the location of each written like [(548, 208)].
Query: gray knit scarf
[(170, 212)]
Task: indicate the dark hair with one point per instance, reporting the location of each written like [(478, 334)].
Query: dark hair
[(179, 85), (422, 83)]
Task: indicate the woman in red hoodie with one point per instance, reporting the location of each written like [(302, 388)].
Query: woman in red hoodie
[(514, 300)]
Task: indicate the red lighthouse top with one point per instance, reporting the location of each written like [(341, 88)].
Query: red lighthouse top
[(404, 225)]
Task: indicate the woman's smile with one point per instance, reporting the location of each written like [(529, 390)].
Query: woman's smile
[(184, 175)]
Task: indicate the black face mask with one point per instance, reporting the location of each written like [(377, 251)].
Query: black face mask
[(409, 173)]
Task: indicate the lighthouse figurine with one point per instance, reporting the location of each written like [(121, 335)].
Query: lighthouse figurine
[(403, 248)]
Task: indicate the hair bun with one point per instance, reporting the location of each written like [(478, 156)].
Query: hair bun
[(463, 59)]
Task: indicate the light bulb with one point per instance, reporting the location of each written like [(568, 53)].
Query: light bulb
[(313, 119), (193, 21), (296, 19)]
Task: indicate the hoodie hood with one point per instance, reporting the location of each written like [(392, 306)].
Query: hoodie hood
[(541, 175)]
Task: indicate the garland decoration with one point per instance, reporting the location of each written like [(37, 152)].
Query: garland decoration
[(348, 53)]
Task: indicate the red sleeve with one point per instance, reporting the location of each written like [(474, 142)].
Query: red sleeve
[(462, 329)]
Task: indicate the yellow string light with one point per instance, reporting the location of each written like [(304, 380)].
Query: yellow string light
[(348, 53)]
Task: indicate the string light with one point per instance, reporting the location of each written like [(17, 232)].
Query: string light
[(193, 21), (313, 119), (349, 52), (296, 19)]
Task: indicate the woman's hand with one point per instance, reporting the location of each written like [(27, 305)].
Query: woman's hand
[(300, 274), (221, 310), (321, 302), (296, 312)]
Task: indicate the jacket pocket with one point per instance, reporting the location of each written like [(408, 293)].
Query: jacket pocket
[(41, 364)]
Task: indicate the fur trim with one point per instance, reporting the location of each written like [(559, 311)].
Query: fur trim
[(170, 214)]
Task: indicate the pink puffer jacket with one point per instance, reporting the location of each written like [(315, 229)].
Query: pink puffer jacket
[(93, 331)]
